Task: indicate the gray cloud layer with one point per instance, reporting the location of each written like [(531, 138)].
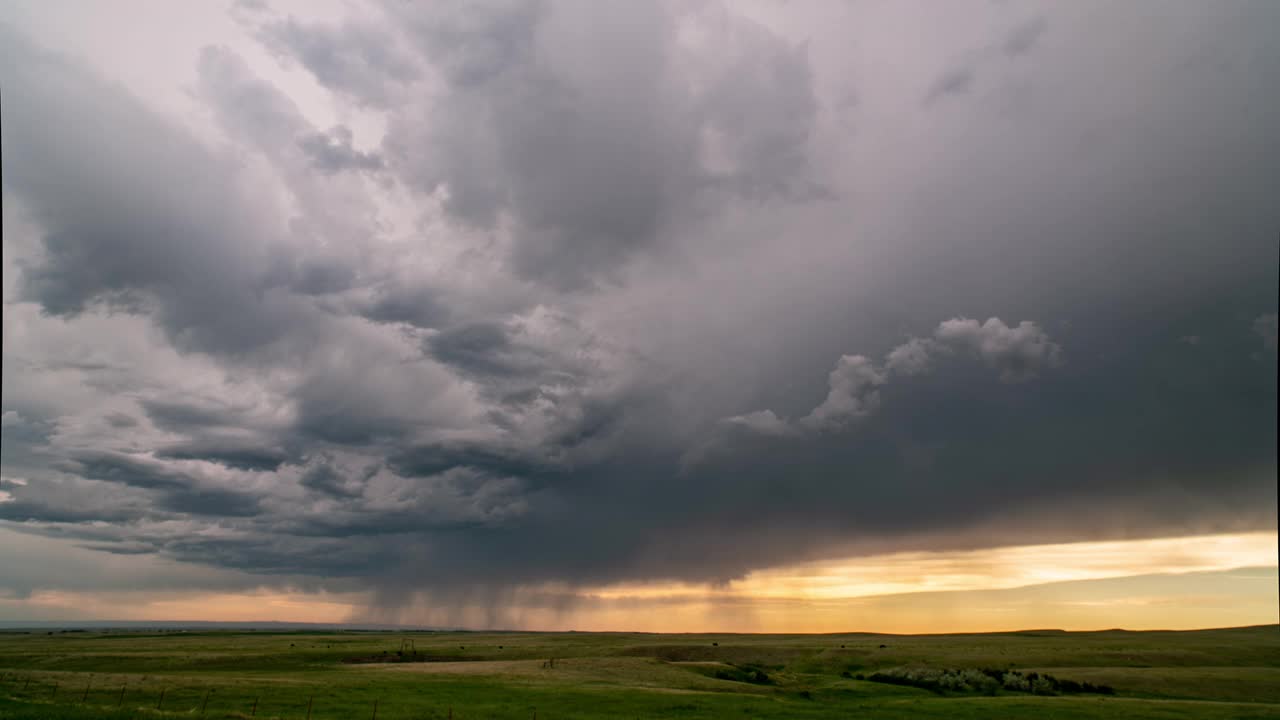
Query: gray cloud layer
[(527, 334)]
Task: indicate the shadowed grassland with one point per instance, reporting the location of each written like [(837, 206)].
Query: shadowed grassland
[(1230, 673)]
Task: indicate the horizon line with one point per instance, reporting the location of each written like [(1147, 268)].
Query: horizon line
[(393, 627)]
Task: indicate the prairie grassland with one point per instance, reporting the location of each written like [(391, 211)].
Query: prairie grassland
[(1233, 673)]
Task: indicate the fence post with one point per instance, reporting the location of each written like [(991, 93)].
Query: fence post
[(85, 696), (161, 701), (254, 712), (313, 697), (121, 700), (375, 709)]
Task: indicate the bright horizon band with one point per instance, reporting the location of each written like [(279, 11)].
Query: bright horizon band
[(1166, 583)]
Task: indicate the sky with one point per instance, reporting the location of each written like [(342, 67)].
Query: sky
[(747, 316)]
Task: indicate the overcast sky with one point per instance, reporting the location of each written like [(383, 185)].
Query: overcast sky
[(452, 300)]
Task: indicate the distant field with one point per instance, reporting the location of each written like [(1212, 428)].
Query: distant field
[(1232, 673)]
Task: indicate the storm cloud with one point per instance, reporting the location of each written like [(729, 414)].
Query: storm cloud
[(460, 297)]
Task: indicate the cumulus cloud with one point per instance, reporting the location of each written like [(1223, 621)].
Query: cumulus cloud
[(852, 394), (764, 422), (1018, 353), (912, 357)]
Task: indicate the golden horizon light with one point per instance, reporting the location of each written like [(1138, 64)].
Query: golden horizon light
[(1164, 583)]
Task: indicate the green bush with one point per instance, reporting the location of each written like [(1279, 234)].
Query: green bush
[(753, 674), (987, 681)]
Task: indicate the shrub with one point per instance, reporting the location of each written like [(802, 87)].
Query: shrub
[(1043, 686), (745, 674), (1015, 681), (988, 681)]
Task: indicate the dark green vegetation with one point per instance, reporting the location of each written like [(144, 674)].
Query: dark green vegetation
[(1204, 674), (987, 681)]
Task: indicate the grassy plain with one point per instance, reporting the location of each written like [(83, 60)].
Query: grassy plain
[(1232, 673)]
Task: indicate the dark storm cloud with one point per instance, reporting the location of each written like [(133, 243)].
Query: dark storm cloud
[(231, 452), (429, 460), (121, 549), (484, 348), (120, 420), (1266, 328), (422, 307), (55, 503), (641, 342), (207, 502), (326, 419), (22, 436), (319, 278), (167, 241), (175, 490), (34, 511), (358, 60), (574, 121), (473, 42), (216, 433), (332, 152), (100, 494), (325, 478), (335, 558), (581, 162), (182, 417)]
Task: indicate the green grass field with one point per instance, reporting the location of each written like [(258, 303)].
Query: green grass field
[(1232, 673)]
